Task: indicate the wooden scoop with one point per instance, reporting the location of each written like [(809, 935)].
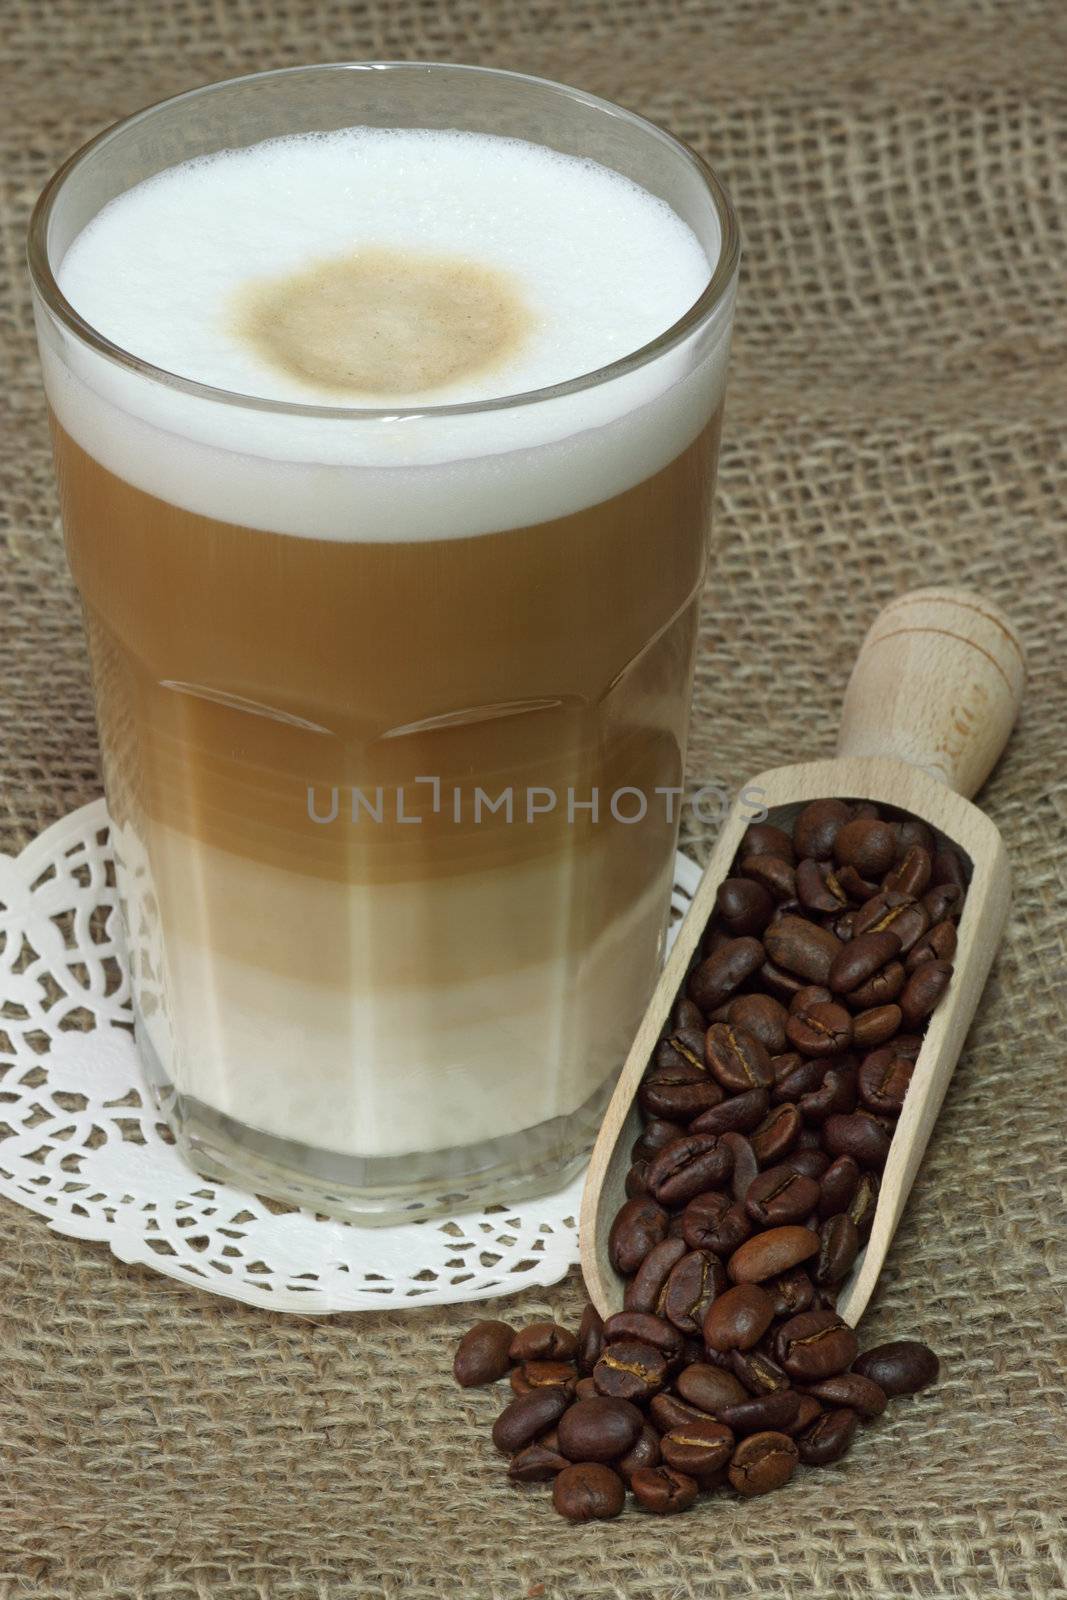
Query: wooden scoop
[(928, 709)]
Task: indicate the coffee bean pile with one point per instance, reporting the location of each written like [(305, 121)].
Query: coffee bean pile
[(769, 1107), (634, 1403)]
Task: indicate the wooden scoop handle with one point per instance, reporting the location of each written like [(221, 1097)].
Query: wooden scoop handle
[(937, 682)]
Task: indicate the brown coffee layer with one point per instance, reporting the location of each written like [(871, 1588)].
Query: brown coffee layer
[(236, 668), (385, 322)]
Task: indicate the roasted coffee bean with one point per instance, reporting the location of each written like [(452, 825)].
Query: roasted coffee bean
[(721, 974), (744, 906), (807, 1411), (588, 1492), (943, 901), (590, 1339), (662, 1490), (740, 1114), (654, 1136), (812, 994), (628, 1369), (856, 886), (807, 1161), (586, 1389), (838, 1185), (867, 845), (600, 1429), (911, 874), (817, 826), (859, 1135), (938, 944), (682, 1045), (764, 839), (543, 1375), (746, 1166), (815, 1345), (699, 1449), (544, 1341), (710, 1222), (536, 1464), (645, 1288), (843, 927), (840, 1243), (482, 1354), (801, 948), (883, 1081), (822, 1029), (803, 1078), (828, 1437), (758, 1373), (691, 1288), (762, 1462), (775, 980), (637, 1181), (881, 990), (738, 1318), (923, 990), (776, 1134), (713, 941), (818, 888), (835, 1095), (777, 1408), (864, 1202), (771, 873), (668, 1411), (769, 1254), (678, 1094), (701, 1216), (786, 1062), (904, 1366), (861, 1395), (736, 1058), (948, 868), (706, 1387), (645, 1453), (520, 1423), (860, 959), (873, 1027), (684, 1014), (780, 1195), (886, 912), (793, 1292), (912, 830), (688, 1166), (638, 1226), (762, 1016), (876, 914), (649, 1329)]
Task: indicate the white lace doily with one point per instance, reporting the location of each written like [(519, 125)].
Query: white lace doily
[(81, 1143)]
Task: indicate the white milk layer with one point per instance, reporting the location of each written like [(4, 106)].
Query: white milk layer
[(603, 266), (374, 1066)]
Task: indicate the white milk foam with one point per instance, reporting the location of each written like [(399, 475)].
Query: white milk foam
[(603, 265)]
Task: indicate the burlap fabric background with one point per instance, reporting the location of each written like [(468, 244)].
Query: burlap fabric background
[(896, 417)]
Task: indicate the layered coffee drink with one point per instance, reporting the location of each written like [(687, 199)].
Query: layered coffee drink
[(392, 629)]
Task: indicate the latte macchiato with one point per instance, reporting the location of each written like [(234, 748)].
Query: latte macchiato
[(368, 679)]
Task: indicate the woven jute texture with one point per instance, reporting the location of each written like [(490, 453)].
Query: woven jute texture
[(896, 417)]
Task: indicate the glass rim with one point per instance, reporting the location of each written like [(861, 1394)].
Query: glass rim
[(702, 309)]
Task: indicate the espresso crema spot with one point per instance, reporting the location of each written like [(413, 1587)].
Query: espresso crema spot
[(383, 322)]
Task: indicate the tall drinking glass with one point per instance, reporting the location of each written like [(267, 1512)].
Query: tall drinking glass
[(392, 702)]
